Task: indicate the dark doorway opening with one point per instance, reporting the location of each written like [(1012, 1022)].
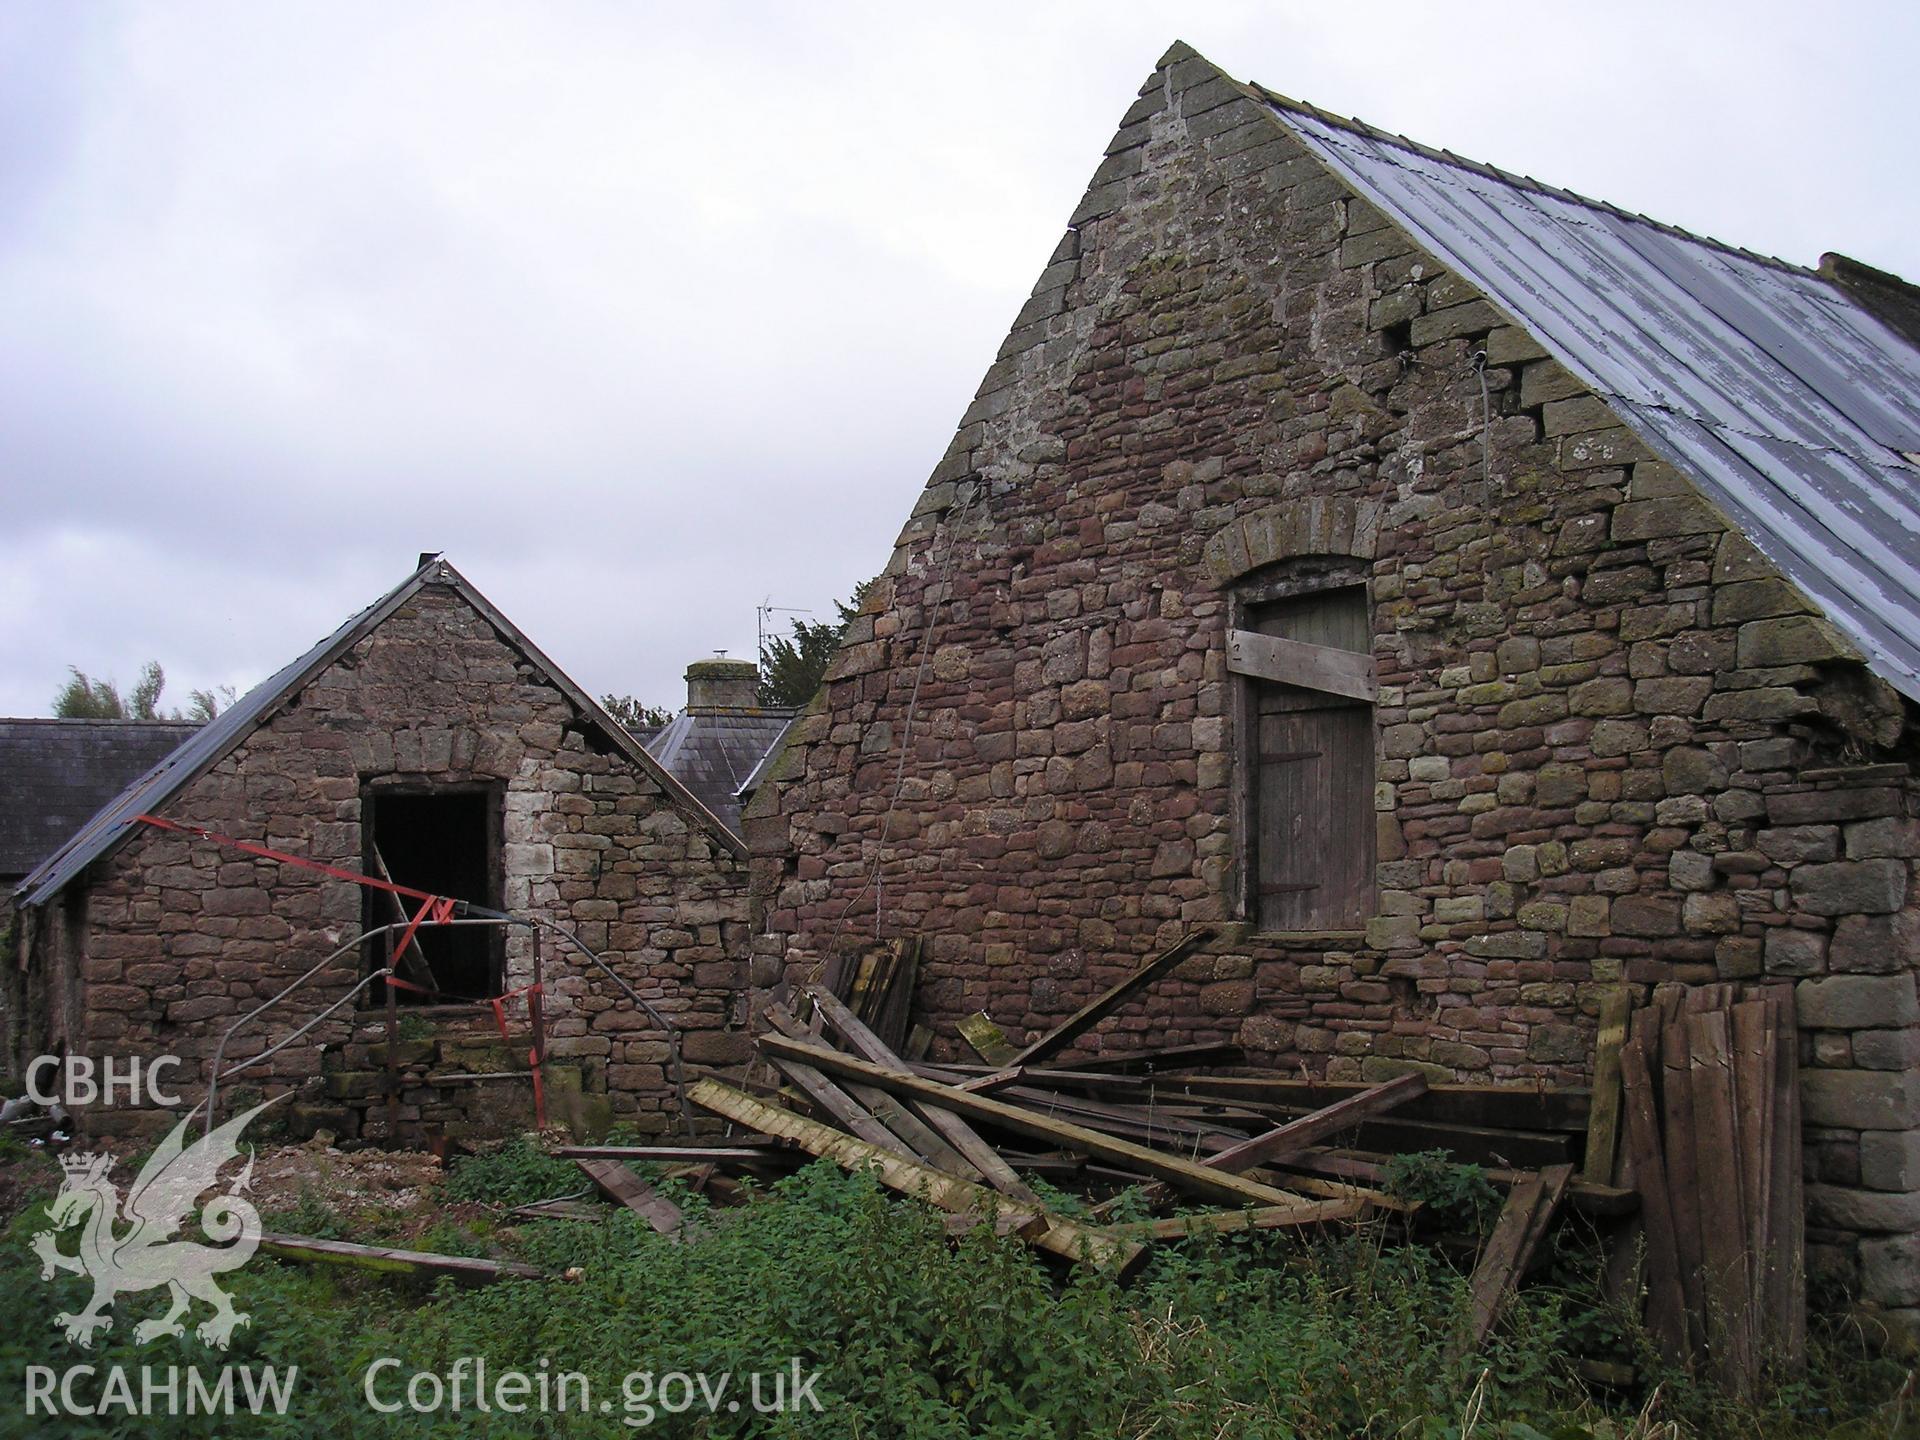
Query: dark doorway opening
[(447, 842)]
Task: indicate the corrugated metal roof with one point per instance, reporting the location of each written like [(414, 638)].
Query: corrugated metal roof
[(112, 824), (1788, 402), (56, 773)]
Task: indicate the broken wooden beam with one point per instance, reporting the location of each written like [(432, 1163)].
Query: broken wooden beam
[(1309, 1130), (982, 1157), (1104, 1004), (1224, 1222), (1523, 1221), (762, 1149), (463, 1269), (1167, 1058), (615, 1181), (846, 1111), (920, 1138), (562, 1210), (1558, 1110), (1184, 1175), (1603, 1121), (1082, 1244)]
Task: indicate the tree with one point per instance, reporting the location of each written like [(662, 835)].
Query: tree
[(84, 698), (633, 715), (792, 666)]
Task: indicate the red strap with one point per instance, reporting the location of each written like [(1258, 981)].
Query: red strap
[(437, 909), (248, 847)]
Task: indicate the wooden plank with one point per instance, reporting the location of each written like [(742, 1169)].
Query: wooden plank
[(1348, 673), (1603, 1123), (617, 1182), (890, 1013), (988, 1040), (830, 1098), (562, 1210), (1523, 1222), (1167, 1057), (1098, 1008), (1598, 1201), (463, 1269), (760, 1150), (1753, 1106), (1226, 1222), (865, 974), (1082, 1244), (920, 1042), (1784, 1283), (955, 1131), (1683, 1178), (1726, 1278), (1666, 1315), (1188, 1176), (920, 1138), (1512, 1107), (1296, 1135)]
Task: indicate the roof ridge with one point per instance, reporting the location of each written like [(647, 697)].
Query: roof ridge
[(1522, 182), (95, 720), (110, 826)]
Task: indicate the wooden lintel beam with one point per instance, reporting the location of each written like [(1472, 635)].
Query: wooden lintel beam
[(1348, 673)]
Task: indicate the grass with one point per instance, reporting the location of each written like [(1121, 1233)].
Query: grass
[(923, 1338)]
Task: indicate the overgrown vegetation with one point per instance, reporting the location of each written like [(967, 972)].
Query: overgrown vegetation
[(85, 698), (1452, 1194), (1252, 1335), (634, 714)]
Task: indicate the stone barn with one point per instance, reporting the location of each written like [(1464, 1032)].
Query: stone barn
[(429, 740), (1468, 595)]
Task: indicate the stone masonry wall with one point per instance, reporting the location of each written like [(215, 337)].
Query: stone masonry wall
[(1613, 743), (173, 939)]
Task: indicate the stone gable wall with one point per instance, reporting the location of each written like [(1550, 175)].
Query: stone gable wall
[(1613, 743), (173, 939)]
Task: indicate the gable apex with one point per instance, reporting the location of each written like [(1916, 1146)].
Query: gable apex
[(115, 822)]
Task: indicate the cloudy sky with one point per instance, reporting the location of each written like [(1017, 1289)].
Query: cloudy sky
[(645, 314)]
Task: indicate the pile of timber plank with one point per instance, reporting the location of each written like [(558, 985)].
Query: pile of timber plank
[(1230, 1151), (1710, 1099)]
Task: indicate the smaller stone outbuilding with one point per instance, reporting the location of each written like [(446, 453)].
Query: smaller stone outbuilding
[(427, 737), (54, 774)]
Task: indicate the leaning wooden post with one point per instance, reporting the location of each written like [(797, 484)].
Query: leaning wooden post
[(393, 1050), (537, 1061)]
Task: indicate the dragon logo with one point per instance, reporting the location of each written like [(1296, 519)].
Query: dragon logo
[(131, 1247)]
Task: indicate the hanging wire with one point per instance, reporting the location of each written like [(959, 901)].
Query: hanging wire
[(1486, 418), (943, 582)]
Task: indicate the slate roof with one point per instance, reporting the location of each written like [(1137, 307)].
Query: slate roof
[(715, 751), (56, 773), (114, 822), (1793, 404)]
